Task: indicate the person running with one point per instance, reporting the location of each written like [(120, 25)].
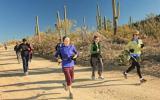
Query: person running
[(96, 58), (68, 53), (134, 47), (17, 52), (24, 49), (5, 46), (57, 47)]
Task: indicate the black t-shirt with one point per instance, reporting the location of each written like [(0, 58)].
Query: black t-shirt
[(16, 48), (58, 46), (24, 49)]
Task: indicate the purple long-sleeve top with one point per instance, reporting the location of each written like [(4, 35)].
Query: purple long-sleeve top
[(66, 53)]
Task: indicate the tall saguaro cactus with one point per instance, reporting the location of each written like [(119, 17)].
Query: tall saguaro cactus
[(84, 30), (59, 25), (116, 14), (65, 24), (130, 22), (98, 19), (105, 23), (37, 32), (65, 20)]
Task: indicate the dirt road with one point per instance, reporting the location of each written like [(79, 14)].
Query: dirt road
[(45, 78)]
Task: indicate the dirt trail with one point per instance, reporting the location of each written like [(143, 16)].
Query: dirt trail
[(45, 78)]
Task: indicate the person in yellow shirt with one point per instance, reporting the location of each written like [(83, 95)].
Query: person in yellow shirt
[(134, 48)]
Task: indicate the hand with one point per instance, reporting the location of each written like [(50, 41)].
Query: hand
[(59, 60), (98, 50), (29, 49), (142, 45), (131, 50), (74, 57)]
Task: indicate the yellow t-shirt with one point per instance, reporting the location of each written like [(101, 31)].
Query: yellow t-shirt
[(135, 45)]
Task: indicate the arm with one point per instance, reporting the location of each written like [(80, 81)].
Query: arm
[(57, 54), (56, 47), (129, 46), (99, 45), (15, 48), (140, 42), (19, 48), (75, 52)]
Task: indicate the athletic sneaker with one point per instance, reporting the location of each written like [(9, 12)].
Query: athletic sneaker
[(65, 86), (93, 78), (101, 77), (71, 95), (143, 80), (19, 62), (26, 73), (125, 75)]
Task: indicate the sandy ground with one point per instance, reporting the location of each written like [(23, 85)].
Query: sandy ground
[(45, 78)]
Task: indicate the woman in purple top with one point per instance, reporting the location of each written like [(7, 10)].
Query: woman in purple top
[(68, 54)]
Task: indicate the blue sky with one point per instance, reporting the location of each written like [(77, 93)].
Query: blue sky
[(17, 17)]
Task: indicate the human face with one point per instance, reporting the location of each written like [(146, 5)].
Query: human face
[(96, 40), (135, 36), (66, 41), (24, 42)]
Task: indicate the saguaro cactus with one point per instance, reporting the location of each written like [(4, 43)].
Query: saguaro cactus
[(116, 14), (98, 19), (59, 25), (105, 23), (37, 32), (84, 30), (65, 20), (130, 22)]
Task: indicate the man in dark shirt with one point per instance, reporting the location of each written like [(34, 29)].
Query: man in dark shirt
[(58, 46), (24, 49), (5, 46), (17, 52)]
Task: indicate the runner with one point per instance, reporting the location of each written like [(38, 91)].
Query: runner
[(24, 49), (57, 47), (17, 52), (68, 54), (5, 46), (134, 47), (96, 58)]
